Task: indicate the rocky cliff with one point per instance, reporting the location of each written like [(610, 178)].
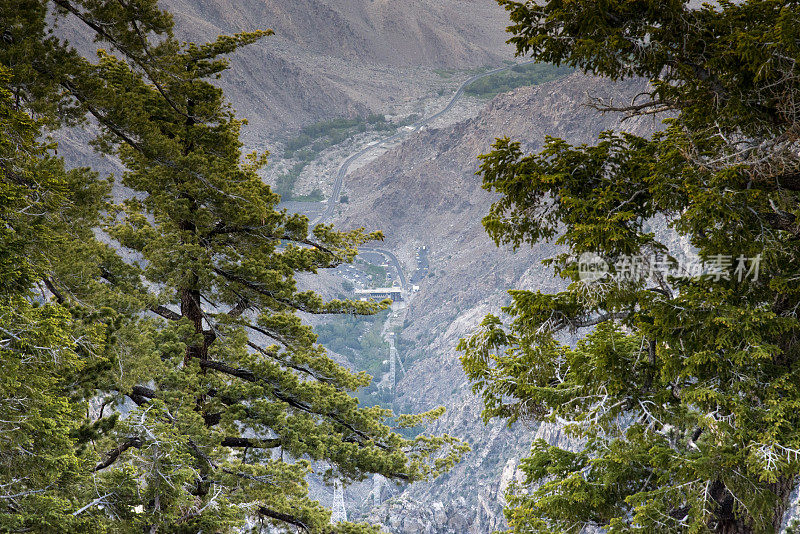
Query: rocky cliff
[(425, 193)]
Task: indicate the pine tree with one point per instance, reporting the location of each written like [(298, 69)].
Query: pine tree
[(54, 357), (683, 396), (222, 402)]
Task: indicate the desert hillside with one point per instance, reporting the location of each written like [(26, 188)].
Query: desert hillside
[(332, 58)]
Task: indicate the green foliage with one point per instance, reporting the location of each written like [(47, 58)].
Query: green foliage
[(682, 403), (518, 76), (314, 196), (54, 357), (284, 185), (179, 390), (359, 338), (377, 273), (44, 351), (324, 134)]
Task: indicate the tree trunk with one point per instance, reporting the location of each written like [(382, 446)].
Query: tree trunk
[(727, 521), (190, 309)]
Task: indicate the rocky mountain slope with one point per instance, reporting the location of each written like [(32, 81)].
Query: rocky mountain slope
[(447, 33), (329, 58), (332, 58), (425, 192)]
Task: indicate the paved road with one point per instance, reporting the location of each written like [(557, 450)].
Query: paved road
[(460, 92), (345, 167), (393, 259)]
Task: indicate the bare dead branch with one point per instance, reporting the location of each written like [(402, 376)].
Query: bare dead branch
[(251, 443)]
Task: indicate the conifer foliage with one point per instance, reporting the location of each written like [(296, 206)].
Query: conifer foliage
[(682, 397), (206, 399), (54, 357)]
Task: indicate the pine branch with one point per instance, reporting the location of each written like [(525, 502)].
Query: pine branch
[(114, 454), (303, 370), (166, 313), (272, 514), (97, 28), (265, 292), (251, 443), (249, 376), (240, 308), (51, 287)]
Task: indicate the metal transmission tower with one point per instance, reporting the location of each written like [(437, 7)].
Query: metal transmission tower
[(339, 511)]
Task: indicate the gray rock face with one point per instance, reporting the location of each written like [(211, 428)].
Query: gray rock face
[(334, 58), (425, 192)]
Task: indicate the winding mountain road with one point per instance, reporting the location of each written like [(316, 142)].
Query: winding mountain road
[(345, 167)]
